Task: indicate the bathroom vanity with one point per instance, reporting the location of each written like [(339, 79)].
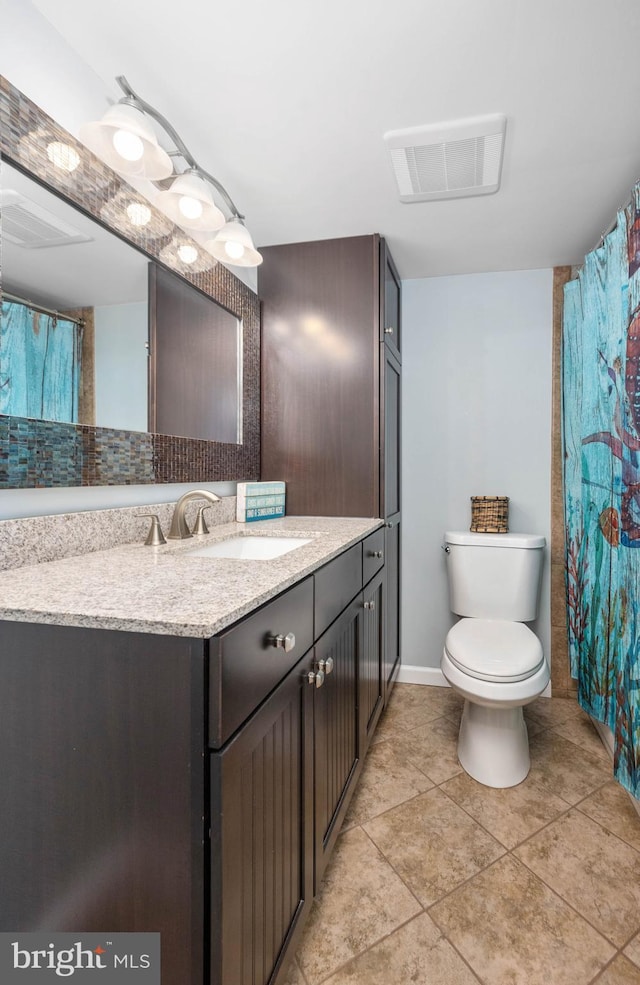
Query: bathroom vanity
[(182, 738)]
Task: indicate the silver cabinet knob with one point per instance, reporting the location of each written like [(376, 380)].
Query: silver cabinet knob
[(388, 331), (377, 554), (370, 605), (326, 665), (316, 677), (286, 643)]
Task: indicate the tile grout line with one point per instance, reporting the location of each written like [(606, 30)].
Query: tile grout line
[(404, 733)]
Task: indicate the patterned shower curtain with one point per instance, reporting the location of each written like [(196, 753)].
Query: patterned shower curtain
[(40, 362), (601, 432)]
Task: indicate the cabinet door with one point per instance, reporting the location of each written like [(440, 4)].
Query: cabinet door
[(337, 755), (371, 678), (390, 295), (392, 606), (391, 397), (261, 837)]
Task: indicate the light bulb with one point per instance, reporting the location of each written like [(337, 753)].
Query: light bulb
[(63, 156), (139, 214), (128, 145), (187, 253), (234, 249), (191, 208)]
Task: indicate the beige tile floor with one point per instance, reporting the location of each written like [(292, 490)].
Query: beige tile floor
[(437, 880)]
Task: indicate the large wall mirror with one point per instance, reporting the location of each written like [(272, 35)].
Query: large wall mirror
[(119, 363)]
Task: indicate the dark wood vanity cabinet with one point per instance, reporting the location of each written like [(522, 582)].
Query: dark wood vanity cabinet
[(337, 740), (104, 787), (262, 879), (390, 297), (325, 308), (372, 679), (190, 787), (331, 388)]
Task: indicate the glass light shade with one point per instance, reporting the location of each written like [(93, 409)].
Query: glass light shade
[(125, 140), (189, 203), (233, 245), (128, 145)]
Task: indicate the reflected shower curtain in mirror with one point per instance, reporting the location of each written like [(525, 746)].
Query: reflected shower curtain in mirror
[(601, 434), (40, 363)]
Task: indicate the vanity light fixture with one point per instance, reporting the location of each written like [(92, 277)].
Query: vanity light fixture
[(189, 203), (125, 139), (234, 245)]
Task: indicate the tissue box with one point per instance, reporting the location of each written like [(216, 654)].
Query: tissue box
[(259, 501)]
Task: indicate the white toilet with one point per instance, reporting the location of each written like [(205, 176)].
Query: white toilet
[(490, 657)]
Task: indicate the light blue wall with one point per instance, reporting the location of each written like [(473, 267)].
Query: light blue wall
[(121, 334), (476, 411)]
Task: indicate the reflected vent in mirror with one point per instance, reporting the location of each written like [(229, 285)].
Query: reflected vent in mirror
[(33, 227)]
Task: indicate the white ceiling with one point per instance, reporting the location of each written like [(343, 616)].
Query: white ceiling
[(287, 101)]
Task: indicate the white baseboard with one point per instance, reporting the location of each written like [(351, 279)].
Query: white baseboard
[(431, 676)]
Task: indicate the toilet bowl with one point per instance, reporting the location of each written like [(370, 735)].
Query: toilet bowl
[(497, 667), (490, 656)]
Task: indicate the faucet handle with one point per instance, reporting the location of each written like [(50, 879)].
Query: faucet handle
[(155, 537), (200, 527)]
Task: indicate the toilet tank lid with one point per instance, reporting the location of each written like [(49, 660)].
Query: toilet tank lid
[(465, 538)]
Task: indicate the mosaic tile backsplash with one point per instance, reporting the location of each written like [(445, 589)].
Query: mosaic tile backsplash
[(36, 453)]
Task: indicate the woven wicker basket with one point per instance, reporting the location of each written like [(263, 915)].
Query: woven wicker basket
[(490, 514)]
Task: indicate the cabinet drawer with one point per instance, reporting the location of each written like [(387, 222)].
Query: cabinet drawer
[(372, 554), (336, 584), (245, 666)]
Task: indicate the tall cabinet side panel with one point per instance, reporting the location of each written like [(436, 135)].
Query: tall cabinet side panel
[(320, 370)]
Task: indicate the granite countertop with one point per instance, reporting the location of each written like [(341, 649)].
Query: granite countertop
[(162, 590)]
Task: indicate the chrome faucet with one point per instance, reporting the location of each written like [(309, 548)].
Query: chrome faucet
[(179, 529)]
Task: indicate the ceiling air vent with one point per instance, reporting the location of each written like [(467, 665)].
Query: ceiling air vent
[(448, 160), (33, 227)]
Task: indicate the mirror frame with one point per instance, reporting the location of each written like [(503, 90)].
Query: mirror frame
[(35, 453)]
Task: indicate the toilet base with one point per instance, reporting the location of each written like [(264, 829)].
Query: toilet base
[(493, 744)]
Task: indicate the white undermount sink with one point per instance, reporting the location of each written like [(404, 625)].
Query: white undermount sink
[(251, 548)]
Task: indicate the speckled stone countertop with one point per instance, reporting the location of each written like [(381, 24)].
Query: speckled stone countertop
[(163, 590)]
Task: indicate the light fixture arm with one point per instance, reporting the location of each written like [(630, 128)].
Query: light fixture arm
[(183, 150)]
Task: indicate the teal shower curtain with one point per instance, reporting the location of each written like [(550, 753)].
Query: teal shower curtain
[(601, 434), (40, 363)]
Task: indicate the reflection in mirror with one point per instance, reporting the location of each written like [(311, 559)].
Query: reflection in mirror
[(89, 370), (74, 335), (196, 363), (36, 452)]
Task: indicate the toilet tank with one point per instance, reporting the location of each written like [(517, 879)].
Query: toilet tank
[(494, 576)]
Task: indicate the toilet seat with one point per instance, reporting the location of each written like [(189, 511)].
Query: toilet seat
[(494, 650)]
